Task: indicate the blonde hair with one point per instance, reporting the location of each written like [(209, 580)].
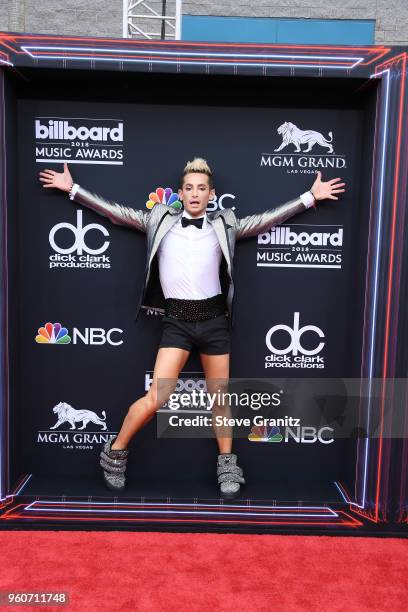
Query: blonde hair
[(198, 164)]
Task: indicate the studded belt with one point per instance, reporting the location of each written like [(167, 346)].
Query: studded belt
[(195, 310)]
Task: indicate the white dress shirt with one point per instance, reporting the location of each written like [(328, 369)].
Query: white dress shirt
[(189, 261)]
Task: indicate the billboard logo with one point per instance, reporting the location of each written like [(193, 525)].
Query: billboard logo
[(301, 246), (54, 333), (85, 256), (79, 140), (287, 236), (294, 354), (55, 129)]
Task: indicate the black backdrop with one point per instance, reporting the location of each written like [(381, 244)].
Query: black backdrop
[(158, 139)]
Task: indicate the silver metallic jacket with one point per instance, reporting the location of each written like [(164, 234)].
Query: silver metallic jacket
[(158, 221)]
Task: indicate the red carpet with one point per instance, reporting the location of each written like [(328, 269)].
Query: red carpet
[(221, 572)]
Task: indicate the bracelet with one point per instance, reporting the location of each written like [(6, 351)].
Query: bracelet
[(70, 194)]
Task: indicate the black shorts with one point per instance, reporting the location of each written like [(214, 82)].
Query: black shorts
[(211, 337)]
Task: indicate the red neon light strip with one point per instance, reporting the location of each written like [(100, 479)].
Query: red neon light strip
[(361, 512), (12, 49), (12, 514), (392, 60), (355, 523), (378, 51), (131, 41), (390, 279)]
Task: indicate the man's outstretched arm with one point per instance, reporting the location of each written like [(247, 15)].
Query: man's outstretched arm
[(252, 225), (118, 214)]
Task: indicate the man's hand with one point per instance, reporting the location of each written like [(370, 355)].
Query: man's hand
[(58, 180), (323, 190)]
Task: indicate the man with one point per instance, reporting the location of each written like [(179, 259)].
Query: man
[(189, 277)]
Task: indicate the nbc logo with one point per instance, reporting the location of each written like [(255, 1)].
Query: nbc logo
[(265, 433), (53, 333), (163, 196), (299, 434)]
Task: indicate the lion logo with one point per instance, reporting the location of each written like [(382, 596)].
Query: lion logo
[(292, 134), (67, 413)]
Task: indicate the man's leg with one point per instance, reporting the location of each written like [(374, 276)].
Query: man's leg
[(216, 370), (114, 455), (169, 363), (230, 477)]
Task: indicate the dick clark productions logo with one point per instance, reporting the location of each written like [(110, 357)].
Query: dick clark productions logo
[(78, 253), (294, 354)]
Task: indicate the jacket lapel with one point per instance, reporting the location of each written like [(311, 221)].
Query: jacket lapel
[(221, 231), (165, 224)]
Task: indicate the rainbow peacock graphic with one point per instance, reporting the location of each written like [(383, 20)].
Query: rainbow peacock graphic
[(163, 196), (265, 433)]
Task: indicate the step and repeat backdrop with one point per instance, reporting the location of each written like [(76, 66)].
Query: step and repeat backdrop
[(83, 358)]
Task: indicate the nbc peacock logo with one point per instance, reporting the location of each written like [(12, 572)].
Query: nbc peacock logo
[(53, 333), (265, 433), (163, 196)]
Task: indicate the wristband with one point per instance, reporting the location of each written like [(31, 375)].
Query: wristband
[(308, 199), (73, 191)]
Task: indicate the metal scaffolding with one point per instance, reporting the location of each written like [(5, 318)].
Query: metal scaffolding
[(152, 19)]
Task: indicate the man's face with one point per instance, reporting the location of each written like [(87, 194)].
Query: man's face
[(196, 193)]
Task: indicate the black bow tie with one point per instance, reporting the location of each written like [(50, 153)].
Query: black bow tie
[(197, 222)]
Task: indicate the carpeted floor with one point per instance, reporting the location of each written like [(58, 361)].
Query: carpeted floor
[(195, 572)]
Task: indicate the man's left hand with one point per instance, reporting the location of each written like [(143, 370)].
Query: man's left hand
[(323, 190)]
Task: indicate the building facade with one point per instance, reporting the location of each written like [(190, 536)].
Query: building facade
[(288, 21)]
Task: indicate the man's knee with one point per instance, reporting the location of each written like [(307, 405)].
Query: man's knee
[(147, 404), (219, 391), (151, 402)]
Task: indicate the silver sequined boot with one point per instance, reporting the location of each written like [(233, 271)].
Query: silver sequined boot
[(113, 463), (229, 475)]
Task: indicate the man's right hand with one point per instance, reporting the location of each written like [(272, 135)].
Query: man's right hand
[(58, 180)]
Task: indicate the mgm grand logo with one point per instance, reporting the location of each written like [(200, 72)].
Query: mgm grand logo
[(304, 151), (69, 428)]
